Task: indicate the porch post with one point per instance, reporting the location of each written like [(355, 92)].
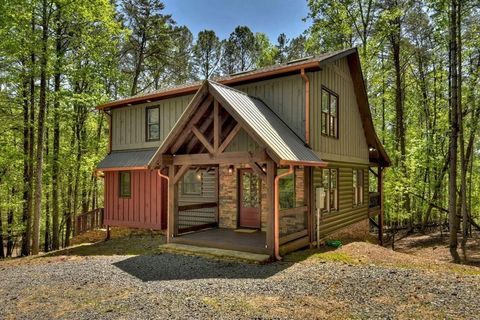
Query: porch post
[(380, 215), (271, 172), (307, 189), (172, 220)]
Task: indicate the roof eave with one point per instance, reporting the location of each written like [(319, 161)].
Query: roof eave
[(312, 65)]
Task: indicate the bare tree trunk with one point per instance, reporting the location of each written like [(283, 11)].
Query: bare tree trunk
[(452, 190), (40, 132), (27, 214), (46, 246), (27, 191), (10, 226), (56, 138), (2, 249), (463, 159)]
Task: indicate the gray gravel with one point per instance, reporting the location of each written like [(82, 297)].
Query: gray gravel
[(180, 287)]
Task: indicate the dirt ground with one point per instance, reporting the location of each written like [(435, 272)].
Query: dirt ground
[(435, 246), (128, 278)]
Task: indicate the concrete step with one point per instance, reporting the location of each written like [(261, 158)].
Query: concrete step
[(241, 256)]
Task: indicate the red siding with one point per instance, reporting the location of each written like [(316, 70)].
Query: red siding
[(147, 206)]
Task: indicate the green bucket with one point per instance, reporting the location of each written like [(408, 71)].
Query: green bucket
[(334, 243)]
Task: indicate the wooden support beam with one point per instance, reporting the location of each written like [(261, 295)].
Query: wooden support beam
[(373, 172), (229, 138), (186, 130), (216, 126), (172, 219), (380, 216), (202, 139), (203, 127), (258, 170), (270, 182), (180, 173), (224, 158)]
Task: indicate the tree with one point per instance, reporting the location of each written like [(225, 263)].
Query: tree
[(240, 51), (207, 53)]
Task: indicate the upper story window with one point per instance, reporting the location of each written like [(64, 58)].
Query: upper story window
[(329, 115), (357, 187), (125, 185), (153, 124), (192, 183)]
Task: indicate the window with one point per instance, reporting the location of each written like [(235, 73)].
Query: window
[(287, 190), (192, 182), (125, 184), (329, 183), (329, 114), (357, 187), (153, 124)]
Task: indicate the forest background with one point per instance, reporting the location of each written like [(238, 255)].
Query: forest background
[(61, 58)]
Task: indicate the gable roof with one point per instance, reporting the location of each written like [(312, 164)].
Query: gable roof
[(257, 119), (291, 67)]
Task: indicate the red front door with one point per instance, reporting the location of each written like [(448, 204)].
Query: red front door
[(249, 199)]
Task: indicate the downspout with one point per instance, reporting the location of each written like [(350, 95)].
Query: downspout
[(307, 106), (168, 198), (277, 213)]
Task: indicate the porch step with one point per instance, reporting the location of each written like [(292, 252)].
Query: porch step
[(242, 256)]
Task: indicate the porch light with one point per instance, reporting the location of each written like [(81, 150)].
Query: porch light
[(264, 168), (230, 169), (371, 149)]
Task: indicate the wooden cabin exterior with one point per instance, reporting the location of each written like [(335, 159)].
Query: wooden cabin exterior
[(266, 161)]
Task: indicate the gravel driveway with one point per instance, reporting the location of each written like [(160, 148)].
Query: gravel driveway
[(179, 287)]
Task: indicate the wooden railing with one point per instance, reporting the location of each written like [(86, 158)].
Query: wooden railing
[(374, 199), (88, 221), (197, 216)]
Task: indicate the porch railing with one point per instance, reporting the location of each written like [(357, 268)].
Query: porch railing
[(197, 216), (374, 199), (293, 223), (87, 221)]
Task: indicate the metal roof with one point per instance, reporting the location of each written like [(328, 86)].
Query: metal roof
[(265, 125), (232, 79), (127, 159)]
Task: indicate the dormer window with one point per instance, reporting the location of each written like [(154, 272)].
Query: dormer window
[(153, 124), (329, 114)]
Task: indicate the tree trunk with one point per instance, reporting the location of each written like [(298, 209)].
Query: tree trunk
[(29, 182), (452, 190), (27, 191), (56, 139), (46, 246), (2, 249), (40, 131), (10, 234)]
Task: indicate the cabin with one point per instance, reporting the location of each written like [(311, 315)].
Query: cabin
[(266, 161)]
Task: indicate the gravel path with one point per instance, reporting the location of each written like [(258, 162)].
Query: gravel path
[(179, 287)]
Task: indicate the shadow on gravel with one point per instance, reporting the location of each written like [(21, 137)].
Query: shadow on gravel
[(178, 267)]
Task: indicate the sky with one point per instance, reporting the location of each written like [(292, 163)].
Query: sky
[(222, 16)]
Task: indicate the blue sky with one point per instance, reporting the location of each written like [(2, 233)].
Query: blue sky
[(269, 16)]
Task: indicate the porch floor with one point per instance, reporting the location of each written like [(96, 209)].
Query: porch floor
[(225, 239)]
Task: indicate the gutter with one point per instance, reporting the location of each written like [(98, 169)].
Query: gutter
[(277, 213), (307, 105)]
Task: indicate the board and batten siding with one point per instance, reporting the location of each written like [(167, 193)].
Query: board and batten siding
[(128, 123), (347, 213), (351, 145), (146, 208), (285, 96)]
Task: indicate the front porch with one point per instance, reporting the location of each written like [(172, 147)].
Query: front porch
[(228, 239), (249, 158)]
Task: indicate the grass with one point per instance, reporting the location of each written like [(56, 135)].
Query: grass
[(323, 254)]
